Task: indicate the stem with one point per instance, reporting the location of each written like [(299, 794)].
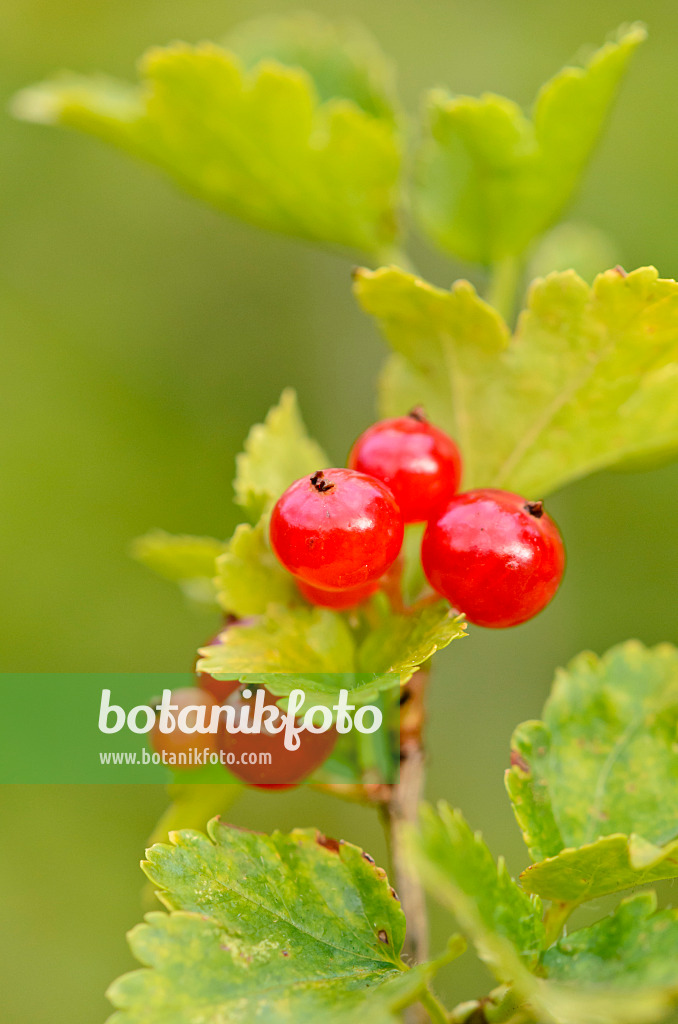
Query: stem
[(554, 920), (503, 285), (434, 1007), (401, 810)]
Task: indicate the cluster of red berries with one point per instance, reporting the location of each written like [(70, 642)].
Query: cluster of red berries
[(495, 556)]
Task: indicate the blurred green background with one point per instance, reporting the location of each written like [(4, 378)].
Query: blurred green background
[(142, 334)]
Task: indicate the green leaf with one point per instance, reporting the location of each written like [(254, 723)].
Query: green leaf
[(589, 380), (192, 806), (413, 579), (491, 179), (277, 452), (250, 577), (403, 642), (284, 640), (457, 868), (286, 928), (342, 58), (324, 687), (635, 946), (260, 145), (610, 864), (594, 786), (621, 969), (188, 561)]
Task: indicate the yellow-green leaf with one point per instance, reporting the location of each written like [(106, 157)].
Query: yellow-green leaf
[(285, 640), (490, 178), (249, 576), (277, 452), (588, 381), (188, 561), (258, 144), (341, 57)]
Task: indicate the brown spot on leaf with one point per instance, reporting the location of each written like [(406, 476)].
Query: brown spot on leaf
[(327, 842), (518, 761), (366, 856), (395, 895), (382, 936)]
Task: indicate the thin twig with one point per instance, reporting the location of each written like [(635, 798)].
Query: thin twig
[(402, 810)]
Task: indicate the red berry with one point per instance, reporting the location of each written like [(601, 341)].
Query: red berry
[(420, 463), (286, 767), (495, 556), (337, 529), (337, 599), (179, 742)]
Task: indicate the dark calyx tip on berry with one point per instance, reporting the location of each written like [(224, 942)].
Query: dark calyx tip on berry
[(535, 508), (418, 414), (320, 483)]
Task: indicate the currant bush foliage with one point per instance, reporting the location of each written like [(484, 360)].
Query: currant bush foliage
[(293, 125), (309, 149), (602, 760), (490, 179), (587, 382), (277, 452), (188, 561), (594, 784), (288, 926), (284, 928)]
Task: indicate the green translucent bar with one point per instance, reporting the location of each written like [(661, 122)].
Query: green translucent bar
[(49, 732)]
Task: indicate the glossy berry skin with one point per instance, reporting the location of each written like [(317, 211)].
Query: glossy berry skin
[(496, 557), (178, 742), (337, 529), (417, 461), (340, 600), (287, 767)]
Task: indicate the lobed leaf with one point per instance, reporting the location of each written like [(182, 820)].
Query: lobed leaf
[(249, 576), (277, 452), (188, 561), (261, 144), (490, 179), (594, 786), (589, 381), (401, 643), (457, 868), (285, 640), (621, 970), (610, 864), (281, 928), (634, 946), (342, 58)]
